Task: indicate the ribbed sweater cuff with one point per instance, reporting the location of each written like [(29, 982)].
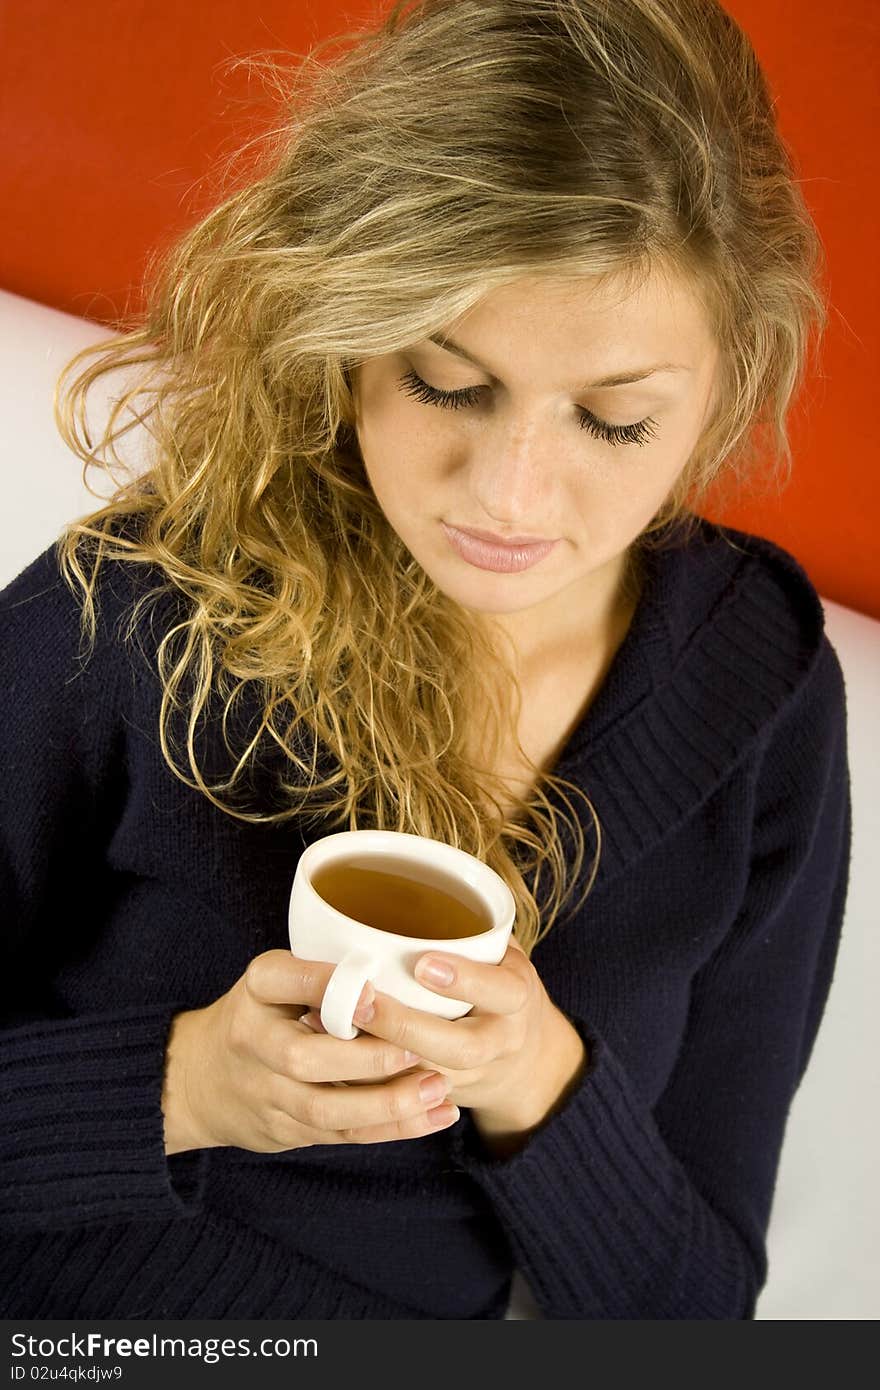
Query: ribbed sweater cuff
[(601, 1217), (83, 1137)]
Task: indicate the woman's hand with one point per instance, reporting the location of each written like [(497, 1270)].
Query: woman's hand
[(245, 1072), (511, 1060)]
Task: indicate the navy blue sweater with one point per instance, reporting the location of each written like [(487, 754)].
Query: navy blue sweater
[(696, 972)]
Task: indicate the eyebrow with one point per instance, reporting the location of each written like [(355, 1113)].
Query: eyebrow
[(616, 379)]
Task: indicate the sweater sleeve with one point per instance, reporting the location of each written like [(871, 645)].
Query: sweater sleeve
[(614, 1210), (82, 1135)]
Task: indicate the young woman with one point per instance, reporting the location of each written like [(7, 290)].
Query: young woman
[(432, 403)]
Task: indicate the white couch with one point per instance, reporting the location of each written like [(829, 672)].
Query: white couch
[(825, 1227)]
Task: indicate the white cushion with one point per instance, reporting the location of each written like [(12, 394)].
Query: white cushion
[(825, 1224)]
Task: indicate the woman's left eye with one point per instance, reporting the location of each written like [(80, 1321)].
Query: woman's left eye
[(639, 433)]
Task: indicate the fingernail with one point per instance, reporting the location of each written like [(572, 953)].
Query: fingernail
[(313, 1021), (434, 972), (365, 1007), (444, 1115), (433, 1088)]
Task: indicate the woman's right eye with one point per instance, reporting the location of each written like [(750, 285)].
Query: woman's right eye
[(413, 385)]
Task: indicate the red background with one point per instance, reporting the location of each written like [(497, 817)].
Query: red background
[(117, 115)]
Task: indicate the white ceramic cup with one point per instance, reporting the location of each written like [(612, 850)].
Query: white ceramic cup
[(320, 932)]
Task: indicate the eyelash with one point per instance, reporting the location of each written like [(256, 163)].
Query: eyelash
[(639, 433)]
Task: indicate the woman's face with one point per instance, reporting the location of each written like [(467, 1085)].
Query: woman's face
[(538, 445)]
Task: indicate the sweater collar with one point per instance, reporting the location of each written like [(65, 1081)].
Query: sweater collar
[(726, 629)]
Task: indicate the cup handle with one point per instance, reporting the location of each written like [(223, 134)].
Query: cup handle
[(343, 992)]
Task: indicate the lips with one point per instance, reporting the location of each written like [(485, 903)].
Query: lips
[(487, 552), (492, 539)]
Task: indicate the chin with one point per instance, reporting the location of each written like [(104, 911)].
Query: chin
[(491, 593)]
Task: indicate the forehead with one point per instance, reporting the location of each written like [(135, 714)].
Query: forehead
[(657, 312)]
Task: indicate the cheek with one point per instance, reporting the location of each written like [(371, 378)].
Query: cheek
[(617, 493), (398, 460), (379, 436), (400, 448)]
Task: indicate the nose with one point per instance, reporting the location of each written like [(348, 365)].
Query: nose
[(509, 480)]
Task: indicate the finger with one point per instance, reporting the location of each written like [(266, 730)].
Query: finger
[(279, 977), (312, 1019), (298, 1054), (330, 1111), (452, 1044), (406, 1060), (441, 1117), (493, 989)]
